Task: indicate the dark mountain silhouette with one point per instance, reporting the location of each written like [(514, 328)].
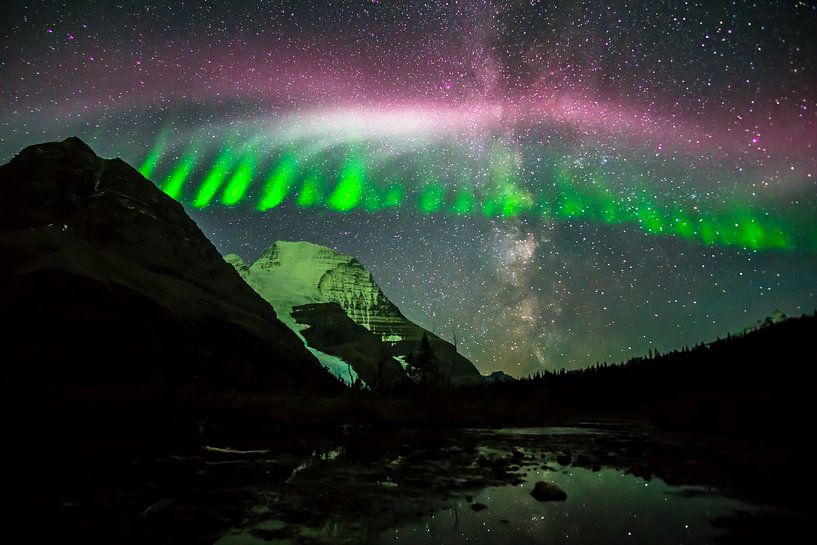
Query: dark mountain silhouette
[(107, 282), (498, 376), (776, 317)]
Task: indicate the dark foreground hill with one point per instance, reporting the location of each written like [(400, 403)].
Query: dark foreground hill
[(107, 283), (758, 383)]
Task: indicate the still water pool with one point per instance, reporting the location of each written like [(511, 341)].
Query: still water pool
[(474, 486), (605, 506)]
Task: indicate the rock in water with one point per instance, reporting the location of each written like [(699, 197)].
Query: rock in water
[(565, 458), (291, 275), (111, 283), (544, 491)]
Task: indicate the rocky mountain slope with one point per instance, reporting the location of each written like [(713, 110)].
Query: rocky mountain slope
[(309, 282), (498, 376), (106, 280)]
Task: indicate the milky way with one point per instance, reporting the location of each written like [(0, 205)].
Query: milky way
[(555, 183)]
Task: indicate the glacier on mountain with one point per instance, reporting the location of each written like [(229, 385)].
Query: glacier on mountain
[(293, 274)]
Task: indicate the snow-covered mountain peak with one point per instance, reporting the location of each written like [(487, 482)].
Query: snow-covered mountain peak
[(303, 272), (289, 252), (291, 275)]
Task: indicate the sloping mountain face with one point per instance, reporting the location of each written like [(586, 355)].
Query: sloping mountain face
[(106, 280), (291, 275), (326, 327)]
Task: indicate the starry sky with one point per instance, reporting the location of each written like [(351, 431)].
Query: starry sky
[(556, 183)]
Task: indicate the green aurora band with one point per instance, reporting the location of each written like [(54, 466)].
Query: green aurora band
[(350, 177)]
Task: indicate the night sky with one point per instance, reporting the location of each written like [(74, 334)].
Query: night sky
[(557, 183)]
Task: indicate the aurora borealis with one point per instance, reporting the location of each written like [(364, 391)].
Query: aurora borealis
[(556, 183), (359, 180)]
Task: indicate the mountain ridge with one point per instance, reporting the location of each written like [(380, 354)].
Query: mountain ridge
[(102, 266)]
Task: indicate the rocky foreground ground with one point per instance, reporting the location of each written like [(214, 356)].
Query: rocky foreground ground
[(350, 486)]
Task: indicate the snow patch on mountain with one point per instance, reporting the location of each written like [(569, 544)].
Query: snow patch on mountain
[(293, 274), (283, 301), (402, 361), (334, 364)]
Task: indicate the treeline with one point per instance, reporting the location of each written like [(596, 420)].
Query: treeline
[(764, 379), (758, 383)]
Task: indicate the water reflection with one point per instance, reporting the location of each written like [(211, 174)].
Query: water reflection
[(605, 506), (475, 487)]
